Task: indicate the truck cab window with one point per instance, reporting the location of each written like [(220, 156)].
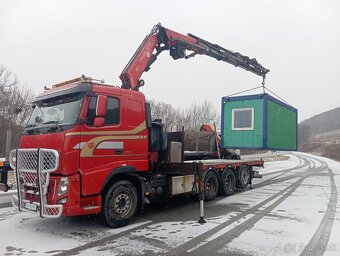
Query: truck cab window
[(112, 113), (91, 112), (112, 116)]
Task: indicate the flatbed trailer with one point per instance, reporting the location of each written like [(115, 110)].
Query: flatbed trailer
[(209, 177), (222, 163)]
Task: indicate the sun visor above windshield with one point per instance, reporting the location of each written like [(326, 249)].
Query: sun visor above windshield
[(67, 89)]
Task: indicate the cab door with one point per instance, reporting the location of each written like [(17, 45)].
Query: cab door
[(101, 147)]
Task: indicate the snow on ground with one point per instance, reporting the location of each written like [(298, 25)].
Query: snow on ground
[(165, 235), (268, 156), (250, 198), (333, 247), (6, 197), (295, 219), (291, 225), (335, 234), (24, 233), (279, 165), (280, 216)]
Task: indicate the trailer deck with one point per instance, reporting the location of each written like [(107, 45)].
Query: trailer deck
[(222, 163)]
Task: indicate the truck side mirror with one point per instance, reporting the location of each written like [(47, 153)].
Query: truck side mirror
[(99, 121), (101, 106)]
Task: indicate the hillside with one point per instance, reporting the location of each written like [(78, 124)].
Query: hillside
[(325, 122), (321, 134)]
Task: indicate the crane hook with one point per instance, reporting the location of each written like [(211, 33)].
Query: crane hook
[(264, 80)]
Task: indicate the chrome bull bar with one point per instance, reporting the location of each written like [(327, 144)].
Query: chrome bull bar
[(32, 171)]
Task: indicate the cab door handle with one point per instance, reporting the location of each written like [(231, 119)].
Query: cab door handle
[(118, 151)]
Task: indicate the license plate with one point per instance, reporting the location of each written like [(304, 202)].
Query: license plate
[(31, 207)]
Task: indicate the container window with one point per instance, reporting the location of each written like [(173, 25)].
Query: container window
[(243, 119)]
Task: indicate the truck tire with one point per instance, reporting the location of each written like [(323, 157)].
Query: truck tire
[(236, 157), (210, 186), (120, 204), (244, 177), (228, 182)]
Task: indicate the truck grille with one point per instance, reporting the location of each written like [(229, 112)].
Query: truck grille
[(28, 158), (32, 168)]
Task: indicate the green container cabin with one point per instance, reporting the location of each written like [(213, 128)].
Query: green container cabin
[(258, 122)]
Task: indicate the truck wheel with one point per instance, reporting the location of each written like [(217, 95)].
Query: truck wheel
[(210, 186), (226, 155), (236, 157), (228, 182), (120, 204), (244, 177)]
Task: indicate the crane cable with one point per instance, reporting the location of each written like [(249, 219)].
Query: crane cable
[(264, 88), (277, 96)]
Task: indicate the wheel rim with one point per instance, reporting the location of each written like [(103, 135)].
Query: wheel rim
[(244, 177), (229, 183), (121, 204), (210, 187)]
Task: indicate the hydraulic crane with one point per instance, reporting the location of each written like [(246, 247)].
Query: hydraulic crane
[(161, 39)]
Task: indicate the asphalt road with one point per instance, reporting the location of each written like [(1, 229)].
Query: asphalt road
[(291, 211)]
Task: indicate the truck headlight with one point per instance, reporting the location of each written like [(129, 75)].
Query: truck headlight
[(13, 159), (63, 186)]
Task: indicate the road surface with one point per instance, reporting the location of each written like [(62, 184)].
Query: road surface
[(293, 210)]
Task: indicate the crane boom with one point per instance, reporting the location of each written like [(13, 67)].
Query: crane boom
[(161, 39)]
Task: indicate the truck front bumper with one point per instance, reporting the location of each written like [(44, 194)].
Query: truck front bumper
[(48, 211)]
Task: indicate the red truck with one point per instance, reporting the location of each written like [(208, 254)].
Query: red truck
[(92, 148)]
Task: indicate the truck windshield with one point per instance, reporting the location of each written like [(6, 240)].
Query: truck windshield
[(62, 110)]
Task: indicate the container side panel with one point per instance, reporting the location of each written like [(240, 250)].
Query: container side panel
[(242, 138), (282, 127)]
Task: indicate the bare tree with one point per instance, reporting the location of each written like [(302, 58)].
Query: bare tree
[(191, 118), (7, 78), (198, 114), (12, 96), (166, 112)]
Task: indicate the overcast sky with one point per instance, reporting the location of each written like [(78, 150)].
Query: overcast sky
[(46, 42)]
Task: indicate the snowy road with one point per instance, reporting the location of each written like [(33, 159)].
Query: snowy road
[(293, 210)]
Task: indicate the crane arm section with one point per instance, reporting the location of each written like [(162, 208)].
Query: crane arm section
[(161, 39)]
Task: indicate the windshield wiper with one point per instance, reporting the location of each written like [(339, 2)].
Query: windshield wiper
[(57, 124), (30, 126), (31, 129)]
